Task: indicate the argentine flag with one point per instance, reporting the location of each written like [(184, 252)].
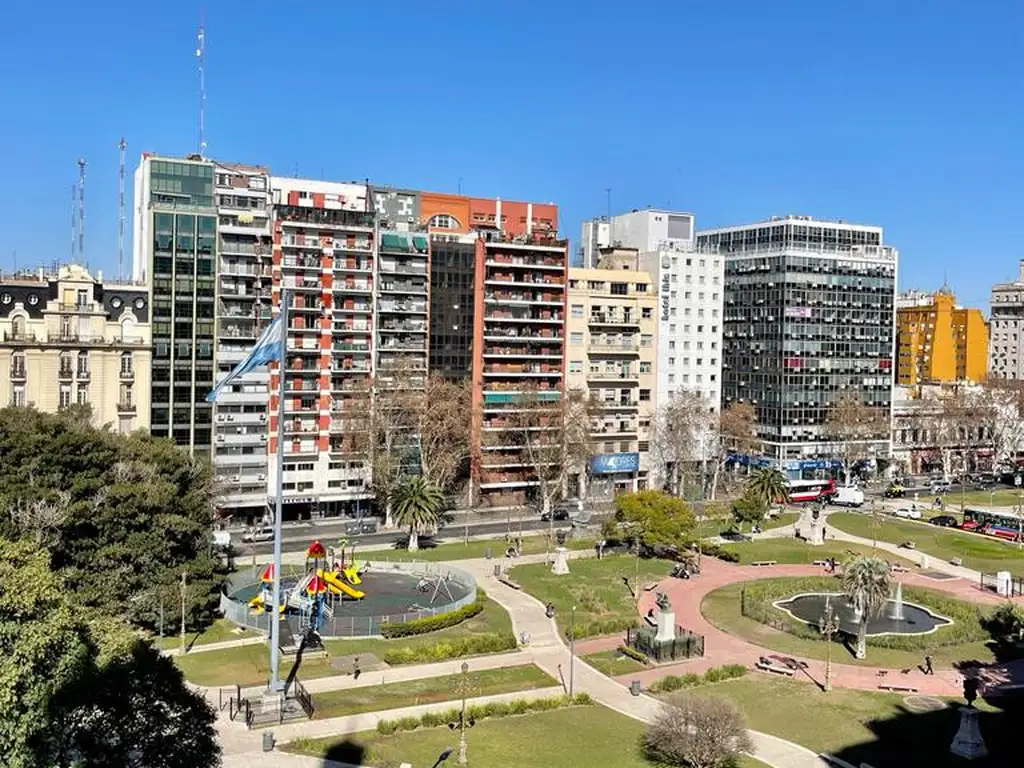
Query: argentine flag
[(267, 348)]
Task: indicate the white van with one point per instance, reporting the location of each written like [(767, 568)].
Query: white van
[(848, 496)]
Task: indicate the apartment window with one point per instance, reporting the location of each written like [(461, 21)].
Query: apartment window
[(641, 287), (700, 329), (702, 262), (646, 313), (672, 344), (700, 296), (700, 378), (443, 221), (126, 363), (672, 328), (687, 294), (645, 367), (646, 339), (83, 394), (686, 378), (577, 310), (65, 396), (645, 395), (671, 361), (643, 446), (620, 289), (83, 363), (575, 366), (576, 338), (674, 278), (686, 328), (18, 365), (595, 285), (18, 396), (671, 378), (689, 262)]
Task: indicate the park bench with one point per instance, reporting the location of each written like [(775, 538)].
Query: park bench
[(759, 563), (897, 568), (508, 582), (778, 669), (896, 688), (649, 587), (821, 563), (956, 561)]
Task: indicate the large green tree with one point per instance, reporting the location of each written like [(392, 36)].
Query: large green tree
[(121, 517), (654, 519), (417, 505), (78, 688), (767, 485)]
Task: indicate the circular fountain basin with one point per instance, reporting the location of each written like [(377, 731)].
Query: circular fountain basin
[(917, 620)]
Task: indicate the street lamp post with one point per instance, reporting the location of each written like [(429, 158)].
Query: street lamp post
[(874, 526), (572, 648), (464, 688), (828, 625)]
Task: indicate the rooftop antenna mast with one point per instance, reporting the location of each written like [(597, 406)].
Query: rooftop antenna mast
[(81, 209), (201, 56), (74, 219), (121, 146)]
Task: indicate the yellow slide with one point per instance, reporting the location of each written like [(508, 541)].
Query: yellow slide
[(352, 574), (337, 586), (257, 605)]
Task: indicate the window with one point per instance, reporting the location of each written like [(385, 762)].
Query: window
[(577, 310), (83, 363), (443, 221), (645, 367), (646, 339), (687, 295), (646, 313), (18, 396), (576, 338), (671, 378), (126, 364), (18, 365), (575, 366), (65, 395), (620, 289), (672, 344), (645, 395)]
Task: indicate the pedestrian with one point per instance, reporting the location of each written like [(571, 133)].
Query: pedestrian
[(928, 670), (824, 532), (355, 668)]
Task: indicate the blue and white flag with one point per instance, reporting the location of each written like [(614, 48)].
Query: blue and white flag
[(267, 348)]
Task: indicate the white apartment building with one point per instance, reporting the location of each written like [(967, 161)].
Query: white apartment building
[(1006, 329), (646, 230)]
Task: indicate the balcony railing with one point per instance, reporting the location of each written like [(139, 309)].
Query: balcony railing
[(127, 374), (78, 306), (17, 372), (603, 319), (83, 374), (124, 407), (611, 375), (19, 336), (66, 372)]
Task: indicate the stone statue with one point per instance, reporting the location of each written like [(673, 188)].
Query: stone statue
[(970, 690), (662, 601)]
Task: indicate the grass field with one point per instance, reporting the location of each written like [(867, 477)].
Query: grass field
[(861, 726), (792, 550), (249, 665), (563, 738), (409, 693), (722, 608), (976, 551), (714, 526), (594, 586), (1002, 497), (218, 632), (612, 663)]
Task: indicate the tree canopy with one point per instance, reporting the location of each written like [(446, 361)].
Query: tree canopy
[(654, 518), (119, 517), (80, 688)]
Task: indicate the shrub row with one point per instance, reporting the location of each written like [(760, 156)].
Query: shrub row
[(492, 642), (434, 623), (481, 711), (717, 550), (634, 654), (758, 598), (602, 627), (714, 675)]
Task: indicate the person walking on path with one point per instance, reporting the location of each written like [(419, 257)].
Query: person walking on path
[(928, 669)]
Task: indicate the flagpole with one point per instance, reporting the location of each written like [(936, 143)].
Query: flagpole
[(275, 617)]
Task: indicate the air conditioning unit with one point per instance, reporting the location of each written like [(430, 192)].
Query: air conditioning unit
[(263, 438), (237, 479), (263, 417), (231, 417), (262, 477), (220, 438), (220, 417)]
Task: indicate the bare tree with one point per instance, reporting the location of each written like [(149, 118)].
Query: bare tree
[(697, 732), (443, 426), (736, 432), (851, 424), (958, 422), (680, 430), (397, 400), (1001, 415), (41, 519)]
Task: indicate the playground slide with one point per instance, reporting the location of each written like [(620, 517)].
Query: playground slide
[(352, 574), (257, 605), (337, 586)]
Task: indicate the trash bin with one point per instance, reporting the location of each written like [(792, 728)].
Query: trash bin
[(487, 553), (634, 687), (497, 569), (268, 741)]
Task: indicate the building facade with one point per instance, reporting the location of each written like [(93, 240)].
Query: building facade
[(70, 338), (1006, 330), (809, 316), (611, 356), (937, 341), (921, 433), (175, 253), (647, 230), (243, 311)]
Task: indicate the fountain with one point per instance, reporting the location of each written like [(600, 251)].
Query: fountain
[(895, 605)]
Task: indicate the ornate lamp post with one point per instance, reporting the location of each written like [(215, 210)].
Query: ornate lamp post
[(875, 523), (464, 688), (829, 625)]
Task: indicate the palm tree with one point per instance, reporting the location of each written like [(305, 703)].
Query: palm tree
[(768, 485), (417, 503), (866, 584)]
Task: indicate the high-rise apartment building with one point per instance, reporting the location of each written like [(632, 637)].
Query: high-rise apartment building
[(243, 310), (70, 338), (645, 229), (611, 356), (1006, 336), (325, 255), (175, 252), (937, 341), (808, 318)]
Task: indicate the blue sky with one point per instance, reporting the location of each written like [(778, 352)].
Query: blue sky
[(898, 113)]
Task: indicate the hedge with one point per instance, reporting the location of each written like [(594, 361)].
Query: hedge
[(482, 711), (602, 627), (717, 550), (757, 600), (434, 623), (492, 642), (672, 683), (634, 654)]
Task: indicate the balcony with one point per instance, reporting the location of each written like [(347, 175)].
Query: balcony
[(363, 349), (512, 317), (83, 374), (300, 262), (521, 370), (127, 374), (298, 385), (353, 265), (599, 346), (607, 319), (18, 373), (616, 405), (302, 283), (617, 376), (352, 328), (78, 306), (392, 286), (525, 262), (613, 429), (323, 218), (352, 286), (398, 326), (541, 353), (403, 307), (126, 408), (354, 308), (402, 269), (302, 241), (66, 373), (519, 297), (19, 337), (525, 334), (509, 280)]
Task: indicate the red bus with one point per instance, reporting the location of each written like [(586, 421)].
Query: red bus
[(810, 490)]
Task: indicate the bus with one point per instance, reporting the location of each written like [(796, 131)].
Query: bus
[(1003, 525), (798, 491)]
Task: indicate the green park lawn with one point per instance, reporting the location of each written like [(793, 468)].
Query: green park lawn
[(861, 726), (453, 550), (220, 631), (594, 586), (1003, 497), (249, 665), (409, 693), (713, 526), (722, 608), (612, 663), (793, 550), (561, 738), (974, 550)]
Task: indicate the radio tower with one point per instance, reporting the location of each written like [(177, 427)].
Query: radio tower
[(74, 220), (121, 145), (81, 209), (200, 55)]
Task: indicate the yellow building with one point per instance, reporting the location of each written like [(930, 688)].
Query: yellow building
[(69, 338), (938, 341), (611, 354)]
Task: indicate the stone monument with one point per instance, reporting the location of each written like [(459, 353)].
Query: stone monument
[(1004, 584), (968, 742), (666, 619), (561, 565), (817, 537)]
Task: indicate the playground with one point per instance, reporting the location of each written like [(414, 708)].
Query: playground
[(342, 597)]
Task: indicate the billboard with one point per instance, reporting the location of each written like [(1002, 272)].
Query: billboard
[(610, 463)]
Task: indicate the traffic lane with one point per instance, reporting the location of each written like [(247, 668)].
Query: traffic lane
[(297, 543)]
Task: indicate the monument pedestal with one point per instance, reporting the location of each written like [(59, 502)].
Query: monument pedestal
[(817, 537), (968, 743), (1004, 584), (561, 565), (666, 627)]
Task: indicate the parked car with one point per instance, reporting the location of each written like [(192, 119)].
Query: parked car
[(569, 509), (258, 534), (946, 521), (558, 513), (908, 513), (895, 491), (940, 486)]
